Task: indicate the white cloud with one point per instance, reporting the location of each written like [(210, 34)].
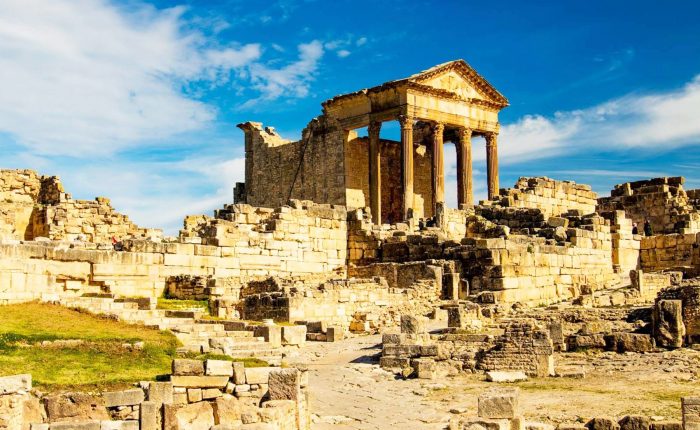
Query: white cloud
[(293, 79), (665, 119), (343, 53)]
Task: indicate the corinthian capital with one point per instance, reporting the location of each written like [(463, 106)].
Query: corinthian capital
[(491, 138), (406, 121), (374, 128), (438, 127)]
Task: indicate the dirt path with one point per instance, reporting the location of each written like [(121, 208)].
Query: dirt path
[(350, 391)]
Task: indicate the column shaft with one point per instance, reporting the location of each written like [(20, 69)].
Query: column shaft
[(438, 166), (407, 165), (492, 164), (375, 175), (465, 191)]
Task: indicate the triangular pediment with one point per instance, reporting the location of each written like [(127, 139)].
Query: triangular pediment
[(459, 78)]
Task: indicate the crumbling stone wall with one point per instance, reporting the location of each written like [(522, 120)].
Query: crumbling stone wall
[(278, 170), (689, 294), (37, 206), (552, 197), (662, 201), (524, 346), (670, 251)]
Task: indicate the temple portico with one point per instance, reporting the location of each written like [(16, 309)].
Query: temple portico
[(398, 180)]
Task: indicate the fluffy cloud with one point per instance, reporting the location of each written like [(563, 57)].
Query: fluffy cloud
[(666, 120)]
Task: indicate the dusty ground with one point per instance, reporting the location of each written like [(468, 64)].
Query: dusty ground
[(350, 391)]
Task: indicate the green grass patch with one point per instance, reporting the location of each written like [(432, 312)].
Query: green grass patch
[(247, 362), (179, 305), (100, 362)]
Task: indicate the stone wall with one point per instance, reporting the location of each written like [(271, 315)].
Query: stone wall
[(671, 251), (354, 304), (304, 240), (199, 395), (662, 201), (36, 206), (309, 169), (552, 197)]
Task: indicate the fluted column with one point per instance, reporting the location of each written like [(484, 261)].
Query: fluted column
[(375, 175), (465, 191), (492, 163), (438, 166), (407, 164)]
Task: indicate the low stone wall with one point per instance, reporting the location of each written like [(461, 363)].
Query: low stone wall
[(661, 201), (670, 251), (552, 197), (353, 304), (200, 394)]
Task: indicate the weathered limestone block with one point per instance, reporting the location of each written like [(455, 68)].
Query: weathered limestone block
[(227, 410), (15, 384), (187, 367), (199, 381), (500, 403), (668, 327), (160, 392), (583, 342), (666, 425), (690, 410), (496, 376), (123, 398), (238, 373), (334, 334), (218, 368), (635, 422), (271, 333), (473, 423), (149, 416), (83, 425), (120, 425), (294, 335), (424, 368), (628, 342), (75, 406), (194, 416), (413, 324), (602, 423), (258, 375)]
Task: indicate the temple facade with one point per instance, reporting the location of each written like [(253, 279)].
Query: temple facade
[(397, 180)]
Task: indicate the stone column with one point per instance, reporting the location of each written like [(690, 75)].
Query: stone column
[(407, 165), (375, 176), (492, 163), (438, 166), (465, 191)]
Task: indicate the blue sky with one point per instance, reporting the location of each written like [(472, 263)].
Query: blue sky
[(138, 101)]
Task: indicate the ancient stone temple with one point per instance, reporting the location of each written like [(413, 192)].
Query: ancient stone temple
[(397, 180)]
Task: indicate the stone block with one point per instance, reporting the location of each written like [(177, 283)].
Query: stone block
[(227, 410), (160, 392), (501, 403), (194, 416), (123, 398), (149, 416), (602, 423), (668, 326), (424, 368), (690, 411), (294, 335), (119, 425), (187, 367), (334, 334), (472, 423), (259, 375), (628, 342), (15, 384), (412, 325), (75, 406), (82, 425), (238, 372), (271, 334), (635, 422), (502, 376), (194, 395), (199, 381), (284, 384), (666, 425), (211, 393), (218, 368)]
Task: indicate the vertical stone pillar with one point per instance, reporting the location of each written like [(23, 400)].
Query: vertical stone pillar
[(375, 173), (438, 166), (407, 165), (465, 190), (492, 163)]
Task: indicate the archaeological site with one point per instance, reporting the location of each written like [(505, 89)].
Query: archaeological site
[(338, 290)]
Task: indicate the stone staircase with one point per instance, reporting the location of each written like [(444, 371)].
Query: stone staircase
[(232, 338)]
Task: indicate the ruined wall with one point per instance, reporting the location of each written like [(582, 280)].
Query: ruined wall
[(357, 178), (307, 240), (662, 201), (355, 304), (552, 197), (37, 206), (314, 165), (670, 251)]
